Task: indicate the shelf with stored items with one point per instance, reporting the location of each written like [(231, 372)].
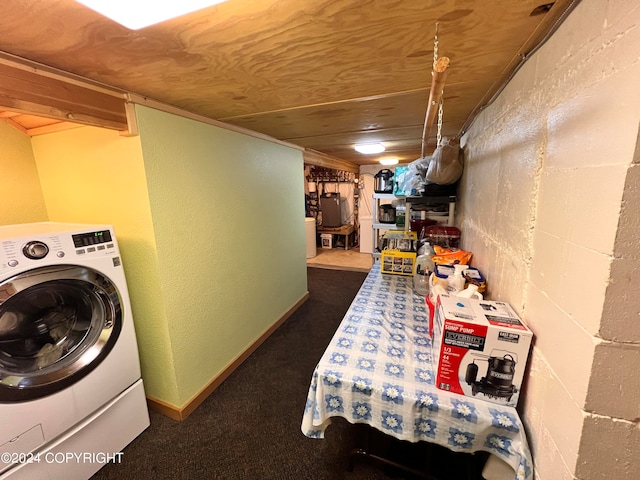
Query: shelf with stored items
[(431, 209), (441, 209), (379, 226), (378, 200)]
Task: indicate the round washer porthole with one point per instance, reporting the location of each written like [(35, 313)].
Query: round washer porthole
[(57, 323)]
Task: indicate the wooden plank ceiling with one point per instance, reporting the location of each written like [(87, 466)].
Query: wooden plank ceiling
[(322, 74)]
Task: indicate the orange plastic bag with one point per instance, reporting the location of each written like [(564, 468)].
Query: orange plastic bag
[(450, 256)]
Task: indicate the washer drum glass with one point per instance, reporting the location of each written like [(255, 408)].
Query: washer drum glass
[(57, 323)]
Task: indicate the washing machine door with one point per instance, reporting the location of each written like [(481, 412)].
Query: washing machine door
[(57, 323)]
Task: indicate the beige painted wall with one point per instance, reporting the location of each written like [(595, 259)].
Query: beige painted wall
[(547, 167), (21, 200)]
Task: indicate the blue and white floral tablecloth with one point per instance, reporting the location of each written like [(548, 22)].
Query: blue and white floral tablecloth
[(378, 370)]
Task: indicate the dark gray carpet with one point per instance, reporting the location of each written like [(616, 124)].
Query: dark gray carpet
[(249, 428)]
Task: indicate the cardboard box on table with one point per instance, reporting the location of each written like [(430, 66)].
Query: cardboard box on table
[(481, 349)]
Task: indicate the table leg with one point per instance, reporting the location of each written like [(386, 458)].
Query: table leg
[(366, 454)]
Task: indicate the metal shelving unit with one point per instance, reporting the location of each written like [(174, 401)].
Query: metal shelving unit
[(379, 226), (410, 202)]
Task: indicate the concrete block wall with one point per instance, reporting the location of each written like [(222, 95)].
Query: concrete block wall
[(547, 205)]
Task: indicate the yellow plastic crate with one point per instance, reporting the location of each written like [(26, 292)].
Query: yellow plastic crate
[(396, 262)]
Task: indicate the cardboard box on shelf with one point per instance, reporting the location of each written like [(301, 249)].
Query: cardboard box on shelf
[(481, 348)]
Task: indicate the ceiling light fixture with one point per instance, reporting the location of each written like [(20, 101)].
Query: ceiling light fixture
[(369, 148), (388, 161), (139, 14)]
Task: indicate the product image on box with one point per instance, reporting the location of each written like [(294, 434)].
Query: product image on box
[(398, 263), (481, 349), (498, 381)]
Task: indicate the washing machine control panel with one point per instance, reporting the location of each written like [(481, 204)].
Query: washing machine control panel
[(50, 249)]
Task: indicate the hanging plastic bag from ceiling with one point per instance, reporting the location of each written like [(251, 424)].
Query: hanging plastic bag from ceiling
[(445, 167), (414, 179)]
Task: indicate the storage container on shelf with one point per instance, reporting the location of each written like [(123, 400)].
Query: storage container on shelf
[(326, 240), (444, 236), (419, 221)]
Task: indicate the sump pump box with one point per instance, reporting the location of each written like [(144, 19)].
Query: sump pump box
[(481, 348)]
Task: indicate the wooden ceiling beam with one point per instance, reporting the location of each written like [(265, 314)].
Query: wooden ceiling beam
[(313, 157), (26, 90), (12, 123), (327, 104)]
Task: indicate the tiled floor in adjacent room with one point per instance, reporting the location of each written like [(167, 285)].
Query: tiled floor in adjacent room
[(340, 259)]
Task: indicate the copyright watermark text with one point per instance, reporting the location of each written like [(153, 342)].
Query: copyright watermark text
[(62, 457)]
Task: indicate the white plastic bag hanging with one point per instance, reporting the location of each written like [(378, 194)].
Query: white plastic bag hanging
[(445, 167), (414, 180)]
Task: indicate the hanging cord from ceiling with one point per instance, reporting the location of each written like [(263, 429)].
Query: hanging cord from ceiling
[(439, 75), (523, 59), (435, 49), (440, 115), (441, 104)]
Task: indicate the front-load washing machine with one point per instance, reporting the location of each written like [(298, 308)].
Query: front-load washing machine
[(71, 394)]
